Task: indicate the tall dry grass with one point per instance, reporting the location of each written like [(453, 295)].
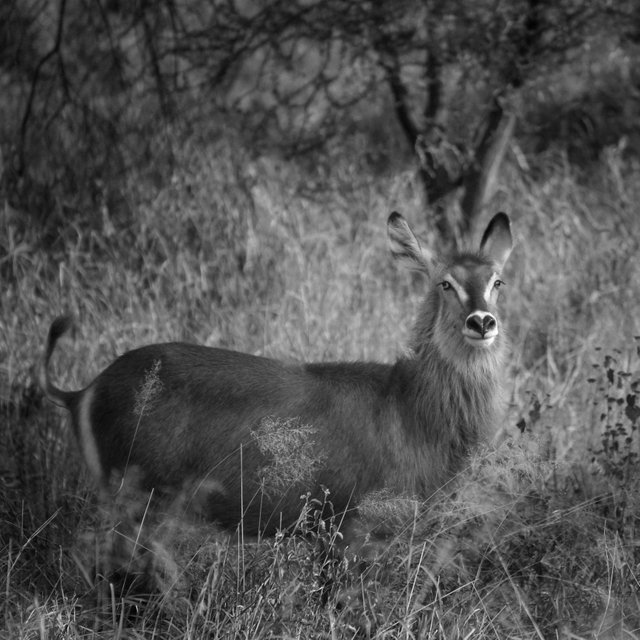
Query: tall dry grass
[(539, 536)]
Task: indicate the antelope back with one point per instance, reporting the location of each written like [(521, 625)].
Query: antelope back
[(246, 435)]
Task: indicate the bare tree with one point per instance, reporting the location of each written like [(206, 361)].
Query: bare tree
[(452, 72), (411, 48)]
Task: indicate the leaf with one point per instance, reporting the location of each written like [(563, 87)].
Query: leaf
[(632, 411)]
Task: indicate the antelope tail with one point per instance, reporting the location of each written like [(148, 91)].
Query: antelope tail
[(62, 398)]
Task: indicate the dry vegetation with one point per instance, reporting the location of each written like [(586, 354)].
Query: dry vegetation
[(540, 538)]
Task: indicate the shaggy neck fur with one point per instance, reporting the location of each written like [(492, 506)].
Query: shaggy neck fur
[(454, 398)]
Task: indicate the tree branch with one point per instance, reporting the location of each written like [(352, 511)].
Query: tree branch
[(34, 83), (480, 177)]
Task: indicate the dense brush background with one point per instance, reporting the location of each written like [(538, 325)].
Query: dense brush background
[(200, 222)]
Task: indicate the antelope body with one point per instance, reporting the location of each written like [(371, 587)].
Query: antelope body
[(183, 413)]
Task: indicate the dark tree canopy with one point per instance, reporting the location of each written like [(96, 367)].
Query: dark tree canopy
[(94, 79)]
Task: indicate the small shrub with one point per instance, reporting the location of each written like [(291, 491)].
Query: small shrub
[(289, 446), (617, 407)]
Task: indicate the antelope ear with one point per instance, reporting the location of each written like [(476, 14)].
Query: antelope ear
[(496, 241), (404, 245)]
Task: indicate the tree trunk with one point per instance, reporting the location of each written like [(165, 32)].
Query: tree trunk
[(480, 178)]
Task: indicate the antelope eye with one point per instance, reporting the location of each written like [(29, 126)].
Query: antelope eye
[(498, 283), (445, 285)]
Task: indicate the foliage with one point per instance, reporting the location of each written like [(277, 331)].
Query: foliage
[(618, 416), (94, 92)]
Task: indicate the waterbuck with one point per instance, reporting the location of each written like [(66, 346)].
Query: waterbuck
[(258, 433)]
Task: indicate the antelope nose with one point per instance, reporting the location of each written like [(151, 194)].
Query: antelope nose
[(481, 324)]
